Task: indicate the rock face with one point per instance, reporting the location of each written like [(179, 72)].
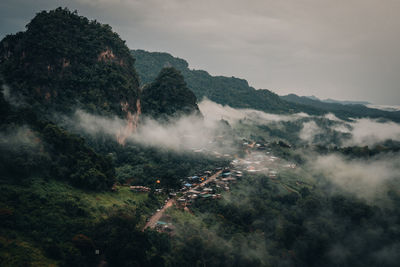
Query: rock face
[(168, 95), (63, 61)]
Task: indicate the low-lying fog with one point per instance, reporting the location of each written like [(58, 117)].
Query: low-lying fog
[(192, 132)]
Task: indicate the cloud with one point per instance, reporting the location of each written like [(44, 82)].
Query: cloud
[(193, 133), (213, 111), (11, 99), (181, 134), (93, 124), (21, 136), (309, 130), (385, 107), (365, 178), (357, 132), (332, 117), (187, 132), (369, 132)]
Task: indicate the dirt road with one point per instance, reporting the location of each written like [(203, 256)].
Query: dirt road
[(210, 179), (157, 216)]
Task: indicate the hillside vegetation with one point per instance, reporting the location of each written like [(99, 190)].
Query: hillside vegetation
[(63, 60), (168, 95)]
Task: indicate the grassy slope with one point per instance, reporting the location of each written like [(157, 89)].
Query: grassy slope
[(53, 211)]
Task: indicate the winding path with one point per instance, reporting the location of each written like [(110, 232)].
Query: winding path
[(158, 215)]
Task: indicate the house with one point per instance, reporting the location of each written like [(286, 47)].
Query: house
[(225, 174), (158, 190), (272, 174), (194, 178), (207, 190), (229, 179), (139, 188), (162, 226), (192, 192)]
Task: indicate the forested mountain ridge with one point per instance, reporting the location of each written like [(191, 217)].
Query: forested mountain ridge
[(63, 60), (342, 110), (237, 93), (230, 91)]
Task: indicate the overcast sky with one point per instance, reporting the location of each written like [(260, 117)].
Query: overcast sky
[(341, 49)]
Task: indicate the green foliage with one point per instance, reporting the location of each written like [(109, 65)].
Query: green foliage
[(64, 60), (141, 165), (31, 147), (46, 221), (313, 228), (123, 245), (168, 95)]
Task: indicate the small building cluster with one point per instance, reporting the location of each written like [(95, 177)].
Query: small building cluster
[(207, 188), (139, 188), (262, 162), (164, 227)]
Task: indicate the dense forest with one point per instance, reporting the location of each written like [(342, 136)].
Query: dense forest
[(168, 95), (63, 60)]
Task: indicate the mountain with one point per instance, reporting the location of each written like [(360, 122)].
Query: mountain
[(59, 196), (343, 102), (230, 91), (168, 95), (343, 111), (237, 93), (64, 61), (65, 182)]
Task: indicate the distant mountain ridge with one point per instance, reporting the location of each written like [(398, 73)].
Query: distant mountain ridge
[(343, 102), (343, 111), (230, 91), (237, 93)]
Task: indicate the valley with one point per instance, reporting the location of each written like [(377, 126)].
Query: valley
[(118, 157)]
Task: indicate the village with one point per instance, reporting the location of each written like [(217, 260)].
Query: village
[(210, 184)]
